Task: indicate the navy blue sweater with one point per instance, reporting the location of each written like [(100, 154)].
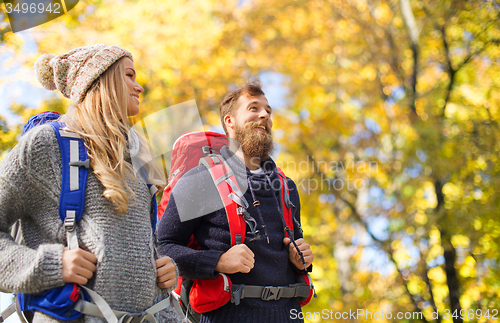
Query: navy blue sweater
[(195, 208)]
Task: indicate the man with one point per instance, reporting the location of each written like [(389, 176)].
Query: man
[(266, 258)]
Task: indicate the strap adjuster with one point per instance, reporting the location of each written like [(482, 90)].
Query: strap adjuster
[(271, 293), (81, 163), (250, 221), (69, 224), (205, 150), (133, 318)]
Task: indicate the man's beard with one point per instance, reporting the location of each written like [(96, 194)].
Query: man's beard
[(254, 143)]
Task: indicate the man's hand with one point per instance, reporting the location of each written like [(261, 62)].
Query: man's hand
[(165, 272), (294, 256), (238, 259), (78, 266)]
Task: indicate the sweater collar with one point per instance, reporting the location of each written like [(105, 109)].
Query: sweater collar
[(259, 182), (265, 185)]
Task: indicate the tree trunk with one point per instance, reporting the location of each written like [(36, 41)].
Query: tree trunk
[(450, 256)]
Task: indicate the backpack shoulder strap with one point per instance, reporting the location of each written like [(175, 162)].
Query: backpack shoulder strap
[(75, 166), (232, 198), (154, 205), (41, 118), (286, 204)]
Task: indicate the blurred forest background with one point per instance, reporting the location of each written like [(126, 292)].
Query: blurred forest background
[(390, 128)]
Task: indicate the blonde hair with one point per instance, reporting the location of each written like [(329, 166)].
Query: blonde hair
[(101, 119)]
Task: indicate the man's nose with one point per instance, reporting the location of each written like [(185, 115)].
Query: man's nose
[(264, 115)]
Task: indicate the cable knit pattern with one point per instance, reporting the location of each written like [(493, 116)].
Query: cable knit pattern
[(30, 183), (72, 73)]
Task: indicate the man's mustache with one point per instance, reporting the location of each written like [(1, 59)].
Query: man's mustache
[(254, 124)]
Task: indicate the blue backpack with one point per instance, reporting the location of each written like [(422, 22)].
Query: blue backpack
[(71, 300)]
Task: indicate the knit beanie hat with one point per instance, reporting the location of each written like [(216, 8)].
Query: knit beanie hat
[(73, 73)]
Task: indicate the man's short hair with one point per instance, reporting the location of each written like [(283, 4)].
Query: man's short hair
[(228, 105)]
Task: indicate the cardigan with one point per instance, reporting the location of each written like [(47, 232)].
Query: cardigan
[(30, 184), (195, 208)]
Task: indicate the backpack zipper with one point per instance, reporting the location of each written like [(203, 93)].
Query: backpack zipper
[(226, 282)]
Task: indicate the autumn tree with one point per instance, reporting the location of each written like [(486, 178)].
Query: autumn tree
[(412, 86)]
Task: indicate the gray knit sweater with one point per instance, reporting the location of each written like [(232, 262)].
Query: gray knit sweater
[(30, 183)]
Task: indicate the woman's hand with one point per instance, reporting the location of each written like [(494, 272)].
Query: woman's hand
[(165, 272), (78, 266)]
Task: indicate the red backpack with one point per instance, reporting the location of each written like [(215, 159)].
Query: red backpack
[(186, 154), (203, 148)]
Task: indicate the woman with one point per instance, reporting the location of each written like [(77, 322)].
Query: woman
[(116, 256)]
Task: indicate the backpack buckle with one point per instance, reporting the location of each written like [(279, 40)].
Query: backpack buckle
[(271, 293), (132, 318), (236, 295), (69, 221), (252, 224), (205, 150), (81, 163)]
